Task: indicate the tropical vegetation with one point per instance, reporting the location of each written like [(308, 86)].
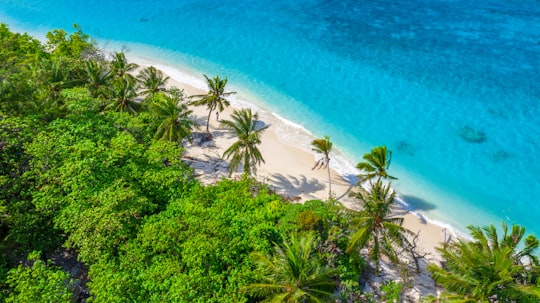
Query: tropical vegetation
[(294, 273), (376, 227), (375, 165), (173, 116), (490, 268), (216, 98), (152, 81), (244, 151), (98, 205), (323, 146)]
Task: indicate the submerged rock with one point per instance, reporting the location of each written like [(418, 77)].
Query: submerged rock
[(405, 148), (500, 155), (472, 135)]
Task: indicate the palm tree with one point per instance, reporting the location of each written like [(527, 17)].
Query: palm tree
[(375, 227), (51, 75), (244, 125), (323, 146), (215, 98), (489, 269), (376, 164), (98, 77), (293, 274), (152, 81), (54, 72), (124, 94), (174, 116), (120, 67)]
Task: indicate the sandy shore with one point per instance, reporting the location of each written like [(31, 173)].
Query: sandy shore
[(287, 167)]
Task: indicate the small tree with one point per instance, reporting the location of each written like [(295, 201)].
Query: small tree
[(376, 164), (375, 226), (323, 146), (173, 117), (244, 125), (152, 81), (295, 273), (123, 94), (98, 78), (121, 68), (215, 98), (40, 282)]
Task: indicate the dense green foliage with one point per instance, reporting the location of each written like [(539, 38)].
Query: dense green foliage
[(294, 273), (489, 268), (195, 247), (40, 282)]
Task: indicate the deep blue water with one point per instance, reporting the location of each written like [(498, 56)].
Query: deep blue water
[(413, 75)]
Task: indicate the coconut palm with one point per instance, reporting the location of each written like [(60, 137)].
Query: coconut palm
[(244, 150), (97, 77), (120, 67), (295, 273), (152, 81), (489, 268), (50, 76), (215, 98), (123, 94), (375, 227), (54, 75), (376, 164), (323, 146), (176, 123)]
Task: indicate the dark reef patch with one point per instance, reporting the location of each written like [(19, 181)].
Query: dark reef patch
[(405, 148), (472, 135), (500, 155)]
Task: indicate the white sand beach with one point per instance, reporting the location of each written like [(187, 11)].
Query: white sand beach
[(287, 168)]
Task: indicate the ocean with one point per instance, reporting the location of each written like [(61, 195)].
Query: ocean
[(452, 87)]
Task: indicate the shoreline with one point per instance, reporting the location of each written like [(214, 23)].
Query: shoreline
[(288, 164), (191, 77)]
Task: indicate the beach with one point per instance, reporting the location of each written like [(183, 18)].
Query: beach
[(373, 73), (420, 81), (288, 159)]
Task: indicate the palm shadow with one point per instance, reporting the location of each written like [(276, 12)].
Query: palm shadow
[(418, 203), (415, 204), (295, 186), (349, 181)]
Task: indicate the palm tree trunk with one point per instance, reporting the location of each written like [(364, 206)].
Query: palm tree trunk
[(247, 168), (329, 180), (208, 121)]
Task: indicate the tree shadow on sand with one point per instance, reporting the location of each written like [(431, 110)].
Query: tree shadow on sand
[(295, 186), (344, 180), (414, 204)]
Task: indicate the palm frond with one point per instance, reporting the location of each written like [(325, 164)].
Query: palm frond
[(293, 273), (244, 126), (216, 98)]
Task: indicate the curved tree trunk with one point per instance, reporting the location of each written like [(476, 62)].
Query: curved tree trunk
[(208, 120), (329, 179), (247, 168)]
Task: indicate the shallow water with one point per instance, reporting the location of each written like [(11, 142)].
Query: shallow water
[(452, 87)]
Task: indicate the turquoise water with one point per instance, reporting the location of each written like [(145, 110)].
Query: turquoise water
[(413, 75)]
